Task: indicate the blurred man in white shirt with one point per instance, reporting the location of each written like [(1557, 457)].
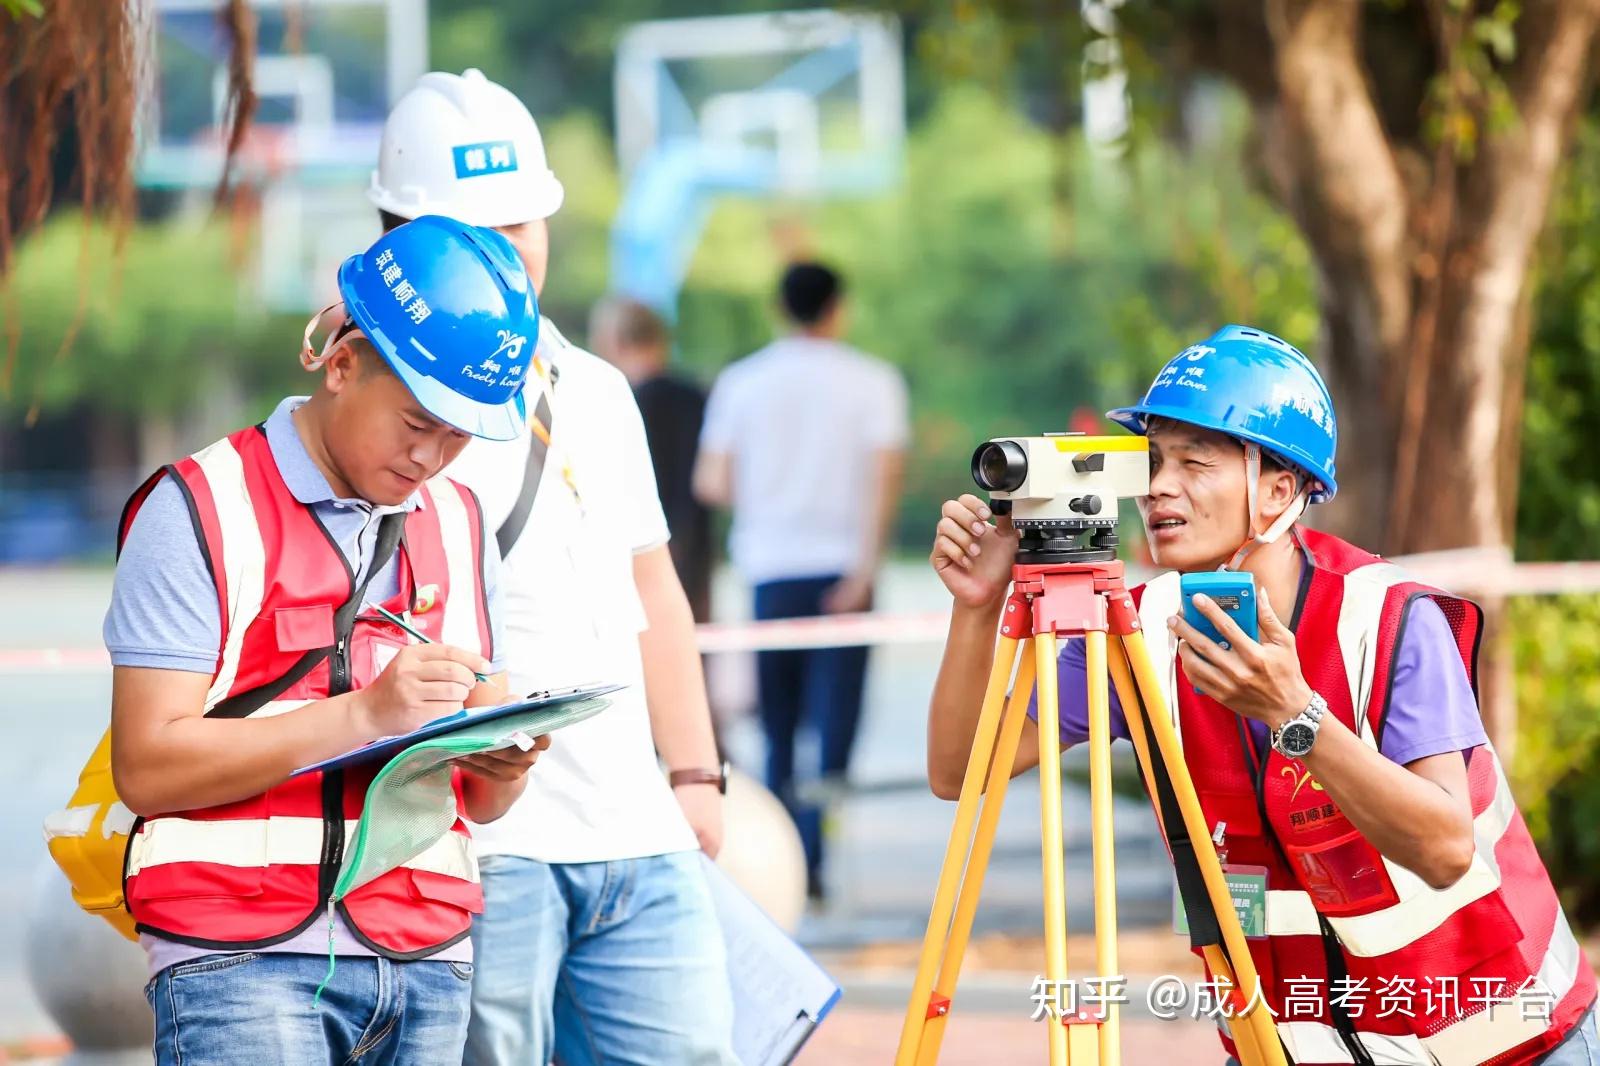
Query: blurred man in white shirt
[(805, 441)]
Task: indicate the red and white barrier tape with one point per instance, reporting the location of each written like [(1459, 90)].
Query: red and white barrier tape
[(824, 631), (1474, 571)]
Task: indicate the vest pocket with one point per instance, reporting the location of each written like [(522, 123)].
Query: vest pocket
[(372, 649), (194, 881), (438, 888), (303, 628), (1344, 875)]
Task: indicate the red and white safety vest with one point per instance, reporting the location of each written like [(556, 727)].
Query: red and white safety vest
[(259, 871), (1339, 916)]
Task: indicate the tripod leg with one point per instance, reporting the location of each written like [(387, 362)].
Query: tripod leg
[(1005, 753), (919, 1009), (1105, 875), (1244, 976), (1127, 695), (1055, 894), (1244, 1036)]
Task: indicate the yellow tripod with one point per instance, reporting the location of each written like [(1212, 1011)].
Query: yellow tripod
[(1050, 601)]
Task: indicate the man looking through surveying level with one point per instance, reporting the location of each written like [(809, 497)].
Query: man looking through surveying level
[(1393, 849)]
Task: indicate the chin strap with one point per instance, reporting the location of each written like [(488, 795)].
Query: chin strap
[(310, 358), (1290, 515)]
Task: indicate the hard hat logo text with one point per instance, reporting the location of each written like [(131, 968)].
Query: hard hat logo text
[(404, 293), (487, 157)]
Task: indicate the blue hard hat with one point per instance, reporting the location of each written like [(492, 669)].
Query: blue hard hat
[(1254, 386), (451, 310)]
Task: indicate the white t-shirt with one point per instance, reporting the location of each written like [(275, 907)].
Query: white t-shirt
[(573, 616), (803, 419)]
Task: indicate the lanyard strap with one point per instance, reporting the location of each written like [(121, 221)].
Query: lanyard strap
[(540, 427)]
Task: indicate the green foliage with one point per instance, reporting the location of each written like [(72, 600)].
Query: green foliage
[(150, 331), (1558, 514), (1468, 97), (1557, 764), (18, 8)]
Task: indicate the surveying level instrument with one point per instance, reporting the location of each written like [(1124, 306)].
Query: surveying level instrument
[(1062, 491)]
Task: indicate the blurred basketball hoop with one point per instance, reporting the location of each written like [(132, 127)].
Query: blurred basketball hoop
[(797, 104), (326, 73)]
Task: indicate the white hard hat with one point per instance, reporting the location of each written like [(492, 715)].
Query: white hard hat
[(462, 146)]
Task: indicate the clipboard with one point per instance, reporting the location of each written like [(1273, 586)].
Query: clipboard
[(780, 994), (385, 748)]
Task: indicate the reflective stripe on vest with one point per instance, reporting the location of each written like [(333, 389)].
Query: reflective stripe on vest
[(273, 842), (1477, 1037), (461, 620), (243, 565), (1160, 598)]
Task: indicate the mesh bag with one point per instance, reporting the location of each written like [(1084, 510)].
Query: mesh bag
[(410, 804)]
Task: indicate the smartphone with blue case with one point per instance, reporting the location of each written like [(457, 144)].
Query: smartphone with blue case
[(1234, 592)]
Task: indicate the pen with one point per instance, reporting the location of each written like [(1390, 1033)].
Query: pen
[(403, 624)]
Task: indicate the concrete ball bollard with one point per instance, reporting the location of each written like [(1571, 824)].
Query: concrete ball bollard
[(88, 977), (761, 850)]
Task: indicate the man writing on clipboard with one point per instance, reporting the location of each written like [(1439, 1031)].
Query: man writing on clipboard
[(243, 649)]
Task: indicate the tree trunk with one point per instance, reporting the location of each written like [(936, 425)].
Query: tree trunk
[(1465, 478), (1333, 166), (1337, 175)]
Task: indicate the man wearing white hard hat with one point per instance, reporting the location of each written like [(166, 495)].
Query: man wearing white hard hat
[(598, 942)]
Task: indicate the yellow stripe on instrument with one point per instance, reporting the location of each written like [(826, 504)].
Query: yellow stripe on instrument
[(1101, 444)]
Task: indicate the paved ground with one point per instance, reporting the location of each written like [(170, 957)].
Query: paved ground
[(868, 1037)]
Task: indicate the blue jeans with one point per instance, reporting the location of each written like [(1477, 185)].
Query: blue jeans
[(599, 962), (259, 1008), (819, 687), (1580, 1048)]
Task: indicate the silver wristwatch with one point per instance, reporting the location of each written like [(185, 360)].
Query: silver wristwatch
[(1293, 739)]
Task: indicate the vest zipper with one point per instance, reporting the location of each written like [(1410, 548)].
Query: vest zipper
[(333, 780), (339, 666)]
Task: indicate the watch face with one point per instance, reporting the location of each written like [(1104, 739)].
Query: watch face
[(1296, 739)]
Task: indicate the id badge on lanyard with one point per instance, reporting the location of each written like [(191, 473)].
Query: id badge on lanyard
[(1247, 886)]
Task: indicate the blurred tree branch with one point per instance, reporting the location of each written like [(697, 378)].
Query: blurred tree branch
[(70, 76)]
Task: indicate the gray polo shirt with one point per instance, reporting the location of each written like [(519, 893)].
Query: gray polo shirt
[(164, 615)]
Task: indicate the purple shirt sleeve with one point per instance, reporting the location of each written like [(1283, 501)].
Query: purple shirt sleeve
[(1431, 707), (1073, 694)]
